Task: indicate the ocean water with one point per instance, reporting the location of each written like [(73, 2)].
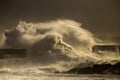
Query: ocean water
[(34, 76), (55, 46)]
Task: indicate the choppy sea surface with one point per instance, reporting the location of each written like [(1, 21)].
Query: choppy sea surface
[(38, 76), (55, 46)]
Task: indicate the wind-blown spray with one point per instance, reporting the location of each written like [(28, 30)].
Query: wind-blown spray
[(54, 46)]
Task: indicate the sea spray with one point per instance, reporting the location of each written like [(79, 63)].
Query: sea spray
[(55, 46)]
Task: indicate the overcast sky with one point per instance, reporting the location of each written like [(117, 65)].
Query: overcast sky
[(102, 17)]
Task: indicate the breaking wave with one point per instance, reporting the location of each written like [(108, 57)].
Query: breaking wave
[(54, 46)]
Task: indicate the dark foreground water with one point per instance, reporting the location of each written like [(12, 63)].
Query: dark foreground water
[(38, 76)]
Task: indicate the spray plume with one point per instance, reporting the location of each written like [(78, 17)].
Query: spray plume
[(56, 45)]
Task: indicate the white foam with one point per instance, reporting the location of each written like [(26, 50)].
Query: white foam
[(57, 45)]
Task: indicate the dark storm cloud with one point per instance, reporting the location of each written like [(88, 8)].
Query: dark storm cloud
[(99, 16)]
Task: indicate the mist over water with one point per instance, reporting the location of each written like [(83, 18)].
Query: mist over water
[(55, 46)]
